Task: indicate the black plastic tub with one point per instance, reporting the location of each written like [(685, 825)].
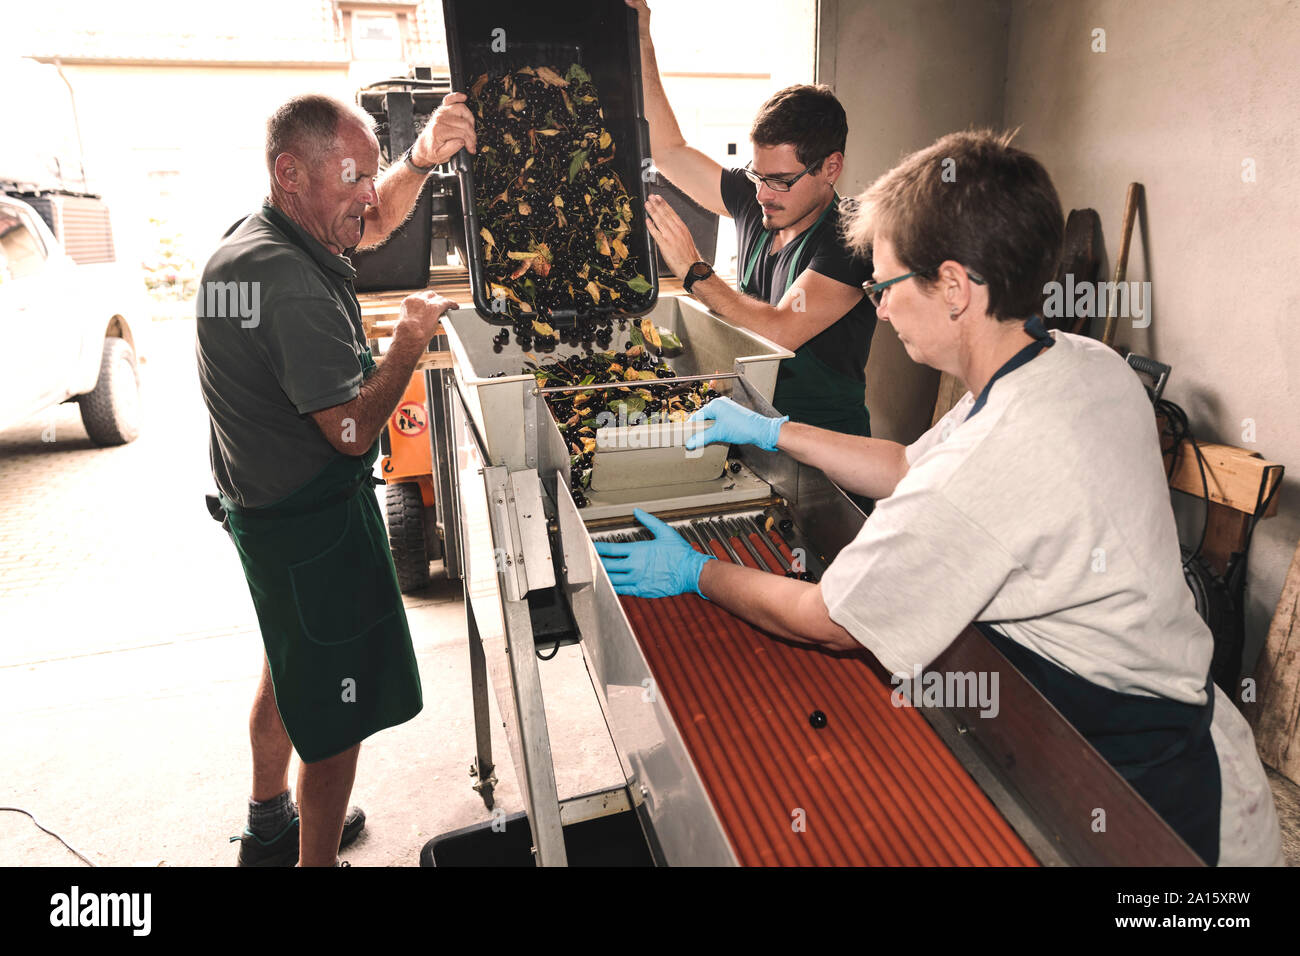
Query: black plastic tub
[(601, 37)]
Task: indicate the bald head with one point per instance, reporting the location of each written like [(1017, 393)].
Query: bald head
[(323, 158), (308, 126)]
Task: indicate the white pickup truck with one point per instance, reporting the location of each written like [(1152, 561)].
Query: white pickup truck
[(72, 314)]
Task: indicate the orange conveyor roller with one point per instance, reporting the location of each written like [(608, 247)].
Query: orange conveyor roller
[(803, 754)]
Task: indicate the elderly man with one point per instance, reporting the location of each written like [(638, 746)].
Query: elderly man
[(297, 403)]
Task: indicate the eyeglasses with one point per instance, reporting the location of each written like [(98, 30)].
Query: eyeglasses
[(775, 182), (875, 290)]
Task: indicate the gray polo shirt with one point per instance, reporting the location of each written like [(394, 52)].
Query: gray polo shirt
[(279, 337)]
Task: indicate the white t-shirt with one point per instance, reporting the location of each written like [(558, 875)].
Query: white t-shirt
[(1048, 515)]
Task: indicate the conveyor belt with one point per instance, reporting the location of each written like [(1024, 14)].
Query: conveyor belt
[(875, 784)]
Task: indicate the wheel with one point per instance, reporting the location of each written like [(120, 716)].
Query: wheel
[(111, 410), (407, 538)]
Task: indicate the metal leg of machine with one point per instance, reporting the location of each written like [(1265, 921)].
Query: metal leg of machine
[(482, 769)]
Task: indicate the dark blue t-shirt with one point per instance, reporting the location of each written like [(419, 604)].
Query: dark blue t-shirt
[(843, 346)]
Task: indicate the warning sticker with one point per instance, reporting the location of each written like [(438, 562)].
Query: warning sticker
[(410, 419)]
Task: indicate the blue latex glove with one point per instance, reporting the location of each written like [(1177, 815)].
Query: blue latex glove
[(663, 567), (735, 425)]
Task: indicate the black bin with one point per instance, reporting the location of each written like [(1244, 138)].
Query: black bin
[(600, 36)]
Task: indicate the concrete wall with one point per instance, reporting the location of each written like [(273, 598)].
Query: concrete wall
[(907, 73), (1187, 97), (1184, 94)]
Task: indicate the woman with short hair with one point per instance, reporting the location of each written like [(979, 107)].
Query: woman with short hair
[(1036, 508)]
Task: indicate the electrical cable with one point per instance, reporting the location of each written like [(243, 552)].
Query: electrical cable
[(1180, 431), (41, 826)]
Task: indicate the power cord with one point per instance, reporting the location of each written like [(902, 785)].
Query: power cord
[(41, 826), (1180, 430)]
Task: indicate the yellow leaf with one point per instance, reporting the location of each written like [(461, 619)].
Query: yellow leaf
[(593, 290), (550, 77), (487, 236), (541, 328), (650, 333), (605, 139), (588, 445), (602, 244), (525, 209)]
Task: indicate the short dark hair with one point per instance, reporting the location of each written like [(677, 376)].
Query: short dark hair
[(307, 126), (973, 198), (808, 117)]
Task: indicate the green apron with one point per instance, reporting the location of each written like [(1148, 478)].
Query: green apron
[(323, 583), (807, 389)]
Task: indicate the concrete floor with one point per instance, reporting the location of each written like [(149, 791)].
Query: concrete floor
[(129, 655), (140, 755)]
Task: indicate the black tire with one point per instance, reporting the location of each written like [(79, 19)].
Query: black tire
[(407, 538), (111, 411)]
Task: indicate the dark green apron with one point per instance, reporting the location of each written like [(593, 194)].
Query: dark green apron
[(331, 614), (807, 389)]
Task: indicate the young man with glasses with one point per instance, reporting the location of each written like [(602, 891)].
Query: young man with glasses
[(799, 285)]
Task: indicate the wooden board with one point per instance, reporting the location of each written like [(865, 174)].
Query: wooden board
[(427, 360), (950, 392), (381, 310), (1233, 475), (1276, 713)]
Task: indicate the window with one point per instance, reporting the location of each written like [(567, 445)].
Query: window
[(376, 36), (21, 252)]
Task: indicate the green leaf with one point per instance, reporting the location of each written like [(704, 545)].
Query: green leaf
[(575, 164), (577, 74), (587, 380), (627, 404), (638, 283), (635, 337), (670, 341), (590, 422)]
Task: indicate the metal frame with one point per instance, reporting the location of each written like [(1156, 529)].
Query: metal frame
[(501, 634), (1039, 772)]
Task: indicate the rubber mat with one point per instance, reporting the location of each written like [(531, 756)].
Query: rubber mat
[(805, 758)]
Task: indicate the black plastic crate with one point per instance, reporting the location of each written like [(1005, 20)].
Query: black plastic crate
[(614, 840), (601, 37)]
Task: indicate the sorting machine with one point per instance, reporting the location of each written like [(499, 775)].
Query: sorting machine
[(735, 747)]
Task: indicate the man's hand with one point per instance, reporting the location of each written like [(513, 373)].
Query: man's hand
[(450, 128), (672, 236), (419, 317), (351, 428), (651, 569), (735, 425)]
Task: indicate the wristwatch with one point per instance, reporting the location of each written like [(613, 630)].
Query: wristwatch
[(697, 271), (422, 170)]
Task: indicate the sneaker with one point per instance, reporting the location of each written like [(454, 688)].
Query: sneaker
[(282, 849)]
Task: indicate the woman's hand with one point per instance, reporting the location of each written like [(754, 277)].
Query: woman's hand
[(663, 567), (735, 425)]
